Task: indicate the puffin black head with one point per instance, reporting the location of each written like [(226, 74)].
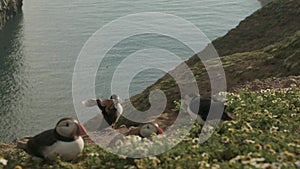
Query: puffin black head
[(63, 140), (69, 128), (115, 97)]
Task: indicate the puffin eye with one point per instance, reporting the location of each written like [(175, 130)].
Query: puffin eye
[(67, 124)]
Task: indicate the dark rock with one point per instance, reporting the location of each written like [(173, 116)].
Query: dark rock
[(9, 9)]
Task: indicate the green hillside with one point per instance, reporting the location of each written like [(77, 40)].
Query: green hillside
[(266, 134), (266, 44), (271, 24)]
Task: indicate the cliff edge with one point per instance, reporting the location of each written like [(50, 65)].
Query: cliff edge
[(9, 9)]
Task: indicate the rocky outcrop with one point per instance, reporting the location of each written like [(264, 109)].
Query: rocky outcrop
[(9, 9), (264, 2)]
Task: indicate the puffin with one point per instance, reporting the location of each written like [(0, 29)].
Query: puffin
[(200, 106), (64, 140), (111, 108), (147, 130)]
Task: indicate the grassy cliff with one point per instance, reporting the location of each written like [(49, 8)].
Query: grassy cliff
[(266, 134), (265, 44), (272, 23)]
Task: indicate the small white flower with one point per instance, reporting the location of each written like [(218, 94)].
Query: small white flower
[(293, 85), (276, 165), (293, 115), (195, 140), (177, 158), (225, 139), (259, 159), (297, 163), (215, 166), (293, 145), (249, 141), (205, 156), (204, 164), (122, 157), (91, 154), (196, 146), (263, 165), (3, 161), (233, 160), (259, 98), (273, 129)]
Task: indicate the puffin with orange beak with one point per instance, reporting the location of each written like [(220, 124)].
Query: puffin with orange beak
[(147, 130), (64, 140)]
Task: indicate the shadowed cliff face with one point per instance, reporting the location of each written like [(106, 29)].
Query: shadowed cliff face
[(9, 9), (264, 2), (12, 84)]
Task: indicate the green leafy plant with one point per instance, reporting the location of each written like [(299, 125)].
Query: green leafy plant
[(266, 134)]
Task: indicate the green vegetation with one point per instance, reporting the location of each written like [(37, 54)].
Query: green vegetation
[(265, 44), (272, 23), (265, 134), (279, 59)]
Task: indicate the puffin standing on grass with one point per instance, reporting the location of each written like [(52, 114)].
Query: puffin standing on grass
[(201, 105), (146, 130), (64, 140), (111, 108)]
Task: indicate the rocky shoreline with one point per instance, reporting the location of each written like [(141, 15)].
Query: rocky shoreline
[(9, 9)]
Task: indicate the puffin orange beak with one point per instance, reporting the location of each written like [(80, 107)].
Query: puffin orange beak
[(83, 131), (160, 130)]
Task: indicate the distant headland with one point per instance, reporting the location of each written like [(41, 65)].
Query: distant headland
[(9, 9)]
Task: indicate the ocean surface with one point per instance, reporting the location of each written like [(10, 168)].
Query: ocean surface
[(39, 49)]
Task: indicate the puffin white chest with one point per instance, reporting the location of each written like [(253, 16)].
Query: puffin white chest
[(67, 150), (119, 108)]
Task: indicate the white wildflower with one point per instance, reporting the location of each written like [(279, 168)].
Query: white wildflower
[(3, 161), (297, 163), (215, 166), (94, 154), (273, 129), (122, 157), (249, 141), (177, 158), (205, 156), (195, 140), (259, 98), (276, 165)]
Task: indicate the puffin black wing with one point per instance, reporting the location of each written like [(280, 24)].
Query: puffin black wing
[(108, 110), (36, 144), (201, 106)]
